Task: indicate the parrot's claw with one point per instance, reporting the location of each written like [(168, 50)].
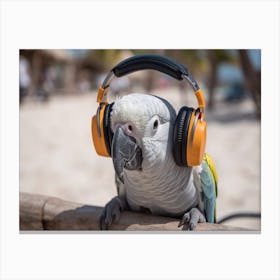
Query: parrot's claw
[(191, 218), (111, 213)]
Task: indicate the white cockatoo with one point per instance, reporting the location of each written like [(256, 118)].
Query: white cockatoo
[(147, 176)]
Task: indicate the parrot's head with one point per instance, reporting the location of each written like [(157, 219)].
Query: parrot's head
[(143, 129)]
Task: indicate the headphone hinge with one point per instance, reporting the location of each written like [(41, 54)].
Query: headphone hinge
[(191, 81), (108, 80)]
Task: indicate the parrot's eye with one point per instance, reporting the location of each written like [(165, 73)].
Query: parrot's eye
[(130, 128), (155, 124)]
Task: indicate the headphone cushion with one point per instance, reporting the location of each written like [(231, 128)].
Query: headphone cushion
[(180, 135), (108, 133)]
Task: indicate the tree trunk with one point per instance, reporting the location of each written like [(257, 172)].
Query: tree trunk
[(252, 79)]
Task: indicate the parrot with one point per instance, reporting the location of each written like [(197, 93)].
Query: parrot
[(146, 175)]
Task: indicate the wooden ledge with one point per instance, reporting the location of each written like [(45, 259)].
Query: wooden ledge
[(39, 212)]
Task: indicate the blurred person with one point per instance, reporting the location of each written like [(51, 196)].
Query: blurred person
[(44, 85), (48, 81), (24, 77), (84, 82)]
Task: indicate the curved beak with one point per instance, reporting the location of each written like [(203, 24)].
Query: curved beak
[(125, 153)]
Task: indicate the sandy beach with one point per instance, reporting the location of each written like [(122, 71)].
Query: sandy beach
[(57, 156)]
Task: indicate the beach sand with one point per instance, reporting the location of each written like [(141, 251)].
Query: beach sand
[(57, 157)]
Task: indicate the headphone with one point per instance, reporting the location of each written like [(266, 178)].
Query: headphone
[(189, 136)]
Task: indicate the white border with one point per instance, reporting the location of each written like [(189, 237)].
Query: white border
[(135, 24)]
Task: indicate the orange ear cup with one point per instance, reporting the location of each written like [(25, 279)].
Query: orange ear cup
[(196, 140), (99, 141)]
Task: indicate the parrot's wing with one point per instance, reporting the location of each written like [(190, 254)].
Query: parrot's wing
[(209, 185), (212, 167)]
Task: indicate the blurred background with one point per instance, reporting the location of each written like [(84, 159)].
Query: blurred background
[(58, 91)]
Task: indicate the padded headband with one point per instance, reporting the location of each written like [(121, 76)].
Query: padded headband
[(151, 61)]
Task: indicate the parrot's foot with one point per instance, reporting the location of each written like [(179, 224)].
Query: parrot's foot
[(191, 218), (111, 213)]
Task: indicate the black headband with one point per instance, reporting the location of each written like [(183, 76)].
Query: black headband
[(155, 62)]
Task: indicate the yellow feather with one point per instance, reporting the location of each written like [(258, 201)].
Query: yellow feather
[(212, 167)]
